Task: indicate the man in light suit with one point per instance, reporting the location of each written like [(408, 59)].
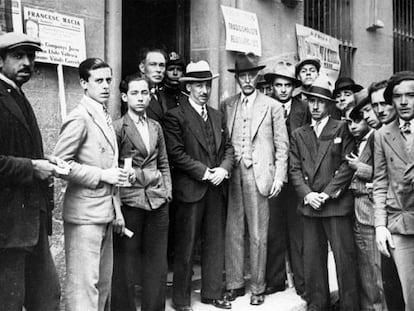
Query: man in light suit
[(202, 155), (320, 174), (91, 206), (361, 160), (259, 136), (285, 224), (393, 183), (144, 203)]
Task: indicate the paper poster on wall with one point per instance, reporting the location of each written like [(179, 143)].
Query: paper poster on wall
[(242, 31), (62, 36), (315, 44)]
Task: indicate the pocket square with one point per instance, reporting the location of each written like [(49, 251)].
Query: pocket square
[(337, 140)]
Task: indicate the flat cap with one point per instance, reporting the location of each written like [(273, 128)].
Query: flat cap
[(362, 99), (11, 40), (394, 80)]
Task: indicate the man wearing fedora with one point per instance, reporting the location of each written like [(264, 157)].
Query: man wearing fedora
[(363, 101), (320, 174), (283, 210), (199, 148), (306, 71), (27, 273), (393, 183), (258, 133), (344, 91)]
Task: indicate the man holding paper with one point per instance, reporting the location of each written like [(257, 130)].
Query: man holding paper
[(144, 202), (91, 207), (27, 273)]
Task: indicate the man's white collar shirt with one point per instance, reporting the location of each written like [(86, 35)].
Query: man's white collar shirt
[(364, 141), (321, 125), (250, 100), (197, 107), (287, 107), (141, 123)]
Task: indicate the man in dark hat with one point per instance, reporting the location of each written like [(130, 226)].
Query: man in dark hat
[(393, 183), (173, 72), (344, 91), (284, 212), (320, 174), (27, 273), (199, 148), (364, 107), (361, 160), (259, 136)]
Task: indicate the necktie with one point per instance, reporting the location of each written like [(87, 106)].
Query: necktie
[(285, 115), (107, 116), (406, 128), (244, 107), (316, 128), (204, 113)]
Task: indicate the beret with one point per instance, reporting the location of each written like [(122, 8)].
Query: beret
[(394, 80), (308, 61), (11, 40)]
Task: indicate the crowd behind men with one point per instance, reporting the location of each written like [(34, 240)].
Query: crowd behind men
[(307, 167)]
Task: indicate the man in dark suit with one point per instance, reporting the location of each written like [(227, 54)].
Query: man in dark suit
[(321, 176), (27, 273), (144, 203), (202, 155), (283, 210), (393, 183), (361, 160)]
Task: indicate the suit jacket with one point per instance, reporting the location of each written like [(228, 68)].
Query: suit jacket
[(22, 196), (393, 194), (188, 151), (157, 107), (86, 142), (269, 139), (299, 115), (152, 187), (364, 206), (322, 169)]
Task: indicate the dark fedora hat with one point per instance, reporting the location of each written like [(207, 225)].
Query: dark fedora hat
[(346, 83), (362, 99), (321, 88), (394, 80), (308, 61), (246, 62)]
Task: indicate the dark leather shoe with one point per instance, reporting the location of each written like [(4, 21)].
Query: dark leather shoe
[(218, 303), (182, 307), (232, 294), (257, 300), (274, 289)]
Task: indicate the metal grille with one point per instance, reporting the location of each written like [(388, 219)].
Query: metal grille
[(403, 11), (333, 17)]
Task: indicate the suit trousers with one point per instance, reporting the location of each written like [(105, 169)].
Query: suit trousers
[(403, 255), (204, 219), (28, 277), (89, 264), (338, 231), (369, 269), (246, 204), (391, 284), (146, 254)]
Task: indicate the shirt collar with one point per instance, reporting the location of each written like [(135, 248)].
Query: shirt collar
[(367, 135), (9, 82), (322, 122), (196, 106), (250, 98), (402, 122), (137, 118)]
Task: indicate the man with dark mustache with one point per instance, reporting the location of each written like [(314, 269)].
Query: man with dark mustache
[(27, 273)]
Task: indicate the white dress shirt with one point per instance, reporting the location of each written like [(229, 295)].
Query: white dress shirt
[(321, 125)]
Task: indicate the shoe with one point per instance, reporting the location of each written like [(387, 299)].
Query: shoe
[(218, 303), (274, 289), (232, 294), (257, 300), (182, 307)]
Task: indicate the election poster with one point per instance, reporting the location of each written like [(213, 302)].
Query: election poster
[(315, 44), (242, 31), (62, 36)]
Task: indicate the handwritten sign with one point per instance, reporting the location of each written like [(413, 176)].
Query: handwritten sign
[(242, 31)]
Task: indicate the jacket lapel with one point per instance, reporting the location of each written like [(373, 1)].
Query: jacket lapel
[(155, 107), (194, 123), (366, 153), (101, 123), (395, 141), (153, 135), (216, 124), (231, 109), (134, 136), (309, 140), (325, 141), (260, 108)]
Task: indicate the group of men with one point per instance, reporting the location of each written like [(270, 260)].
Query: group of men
[(293, 174)]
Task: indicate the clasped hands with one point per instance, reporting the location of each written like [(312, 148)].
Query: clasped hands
[(316, 199), (216, 175)]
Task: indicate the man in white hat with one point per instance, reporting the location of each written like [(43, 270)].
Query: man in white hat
[(27, 273), (283, 210), (201, 153), (320, 174), (259, 136)]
